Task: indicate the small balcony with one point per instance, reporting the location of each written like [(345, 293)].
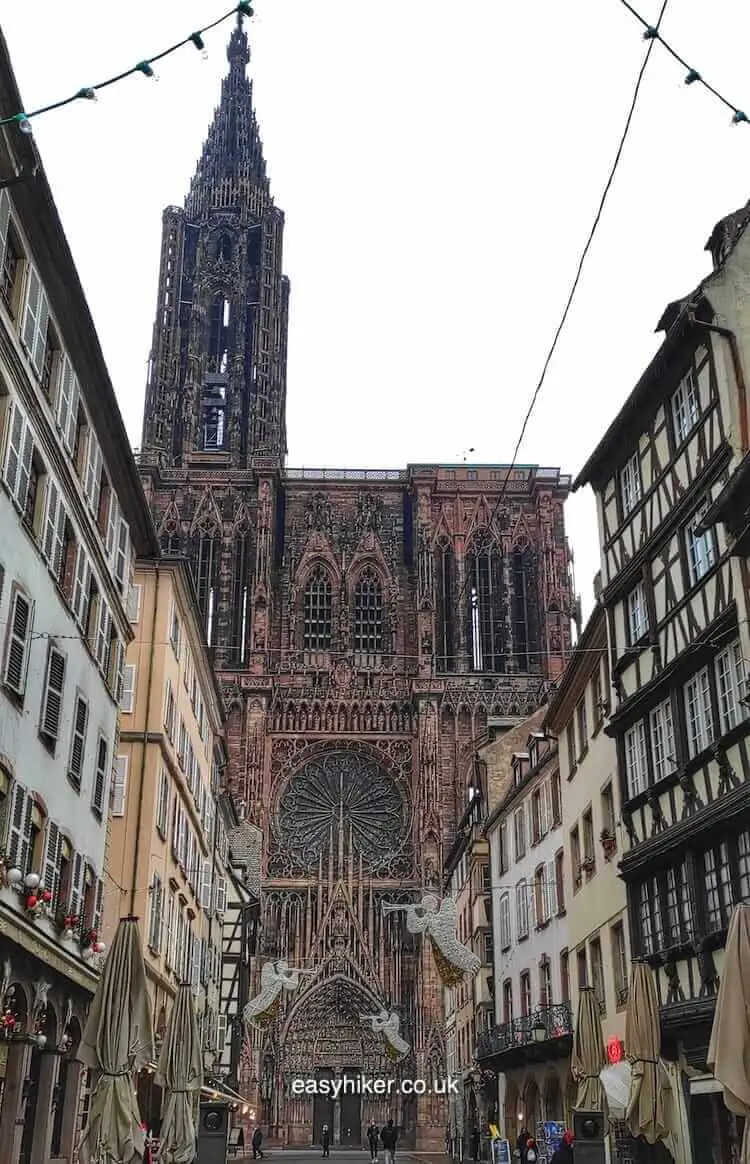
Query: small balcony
[(545, 1034)]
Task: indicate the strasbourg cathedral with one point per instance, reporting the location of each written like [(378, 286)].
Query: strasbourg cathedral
[(364, 625)]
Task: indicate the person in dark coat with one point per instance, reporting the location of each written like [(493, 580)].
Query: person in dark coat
[(257, 1144), (475, 1142), (373, 1132), (523, 1139), (388, 1137), (564, 1154), (325, 1140)]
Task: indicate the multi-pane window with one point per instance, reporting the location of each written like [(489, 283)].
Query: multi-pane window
[(525, 994), (719, 894), (698, 713), (555, 798), (368, 614), (519, 828), (583, 727), (575, 856), (661, 730), (700, 546), (570, 735), (679, 904), (19, 452), (597, 973), (636, 761), (619, 963), (630, 485), (504, 849), (729, 686), (559, 881), (507, 1002), (10, 255), (564, 976), (637, 613), (685, 407), (505, 930), (545, 983), (650, 917), (317, 612)]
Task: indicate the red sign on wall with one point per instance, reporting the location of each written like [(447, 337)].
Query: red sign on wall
[(615, 1050)]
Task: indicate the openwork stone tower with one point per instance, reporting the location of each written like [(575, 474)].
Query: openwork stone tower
[(364, 623)]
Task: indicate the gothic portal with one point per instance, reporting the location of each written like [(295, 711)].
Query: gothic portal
[(365, 624)]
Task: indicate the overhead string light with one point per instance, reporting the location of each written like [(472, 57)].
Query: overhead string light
[(692, 76), (146, 67)]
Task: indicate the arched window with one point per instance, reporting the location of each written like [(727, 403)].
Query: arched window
[(317, 612), (240, 598), (368, 616), (485, 607), (446, 573), (206, 572), (525, 611)]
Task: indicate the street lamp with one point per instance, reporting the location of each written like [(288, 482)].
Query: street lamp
[(539, 1031)]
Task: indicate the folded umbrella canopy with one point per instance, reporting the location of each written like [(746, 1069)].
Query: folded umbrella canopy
[(117, 1043), (729, 1049), (649, 1086), (588, 1058), (180, 1073)]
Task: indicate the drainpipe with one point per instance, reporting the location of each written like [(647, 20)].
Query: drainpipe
[(139, 816), (739, 374)]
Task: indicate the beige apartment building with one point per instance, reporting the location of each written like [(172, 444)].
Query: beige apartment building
[(168, 842)]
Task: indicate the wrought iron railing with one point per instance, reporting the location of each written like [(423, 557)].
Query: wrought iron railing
[(543, 1026)]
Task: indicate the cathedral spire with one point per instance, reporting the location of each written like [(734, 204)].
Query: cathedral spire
[(231, 172)]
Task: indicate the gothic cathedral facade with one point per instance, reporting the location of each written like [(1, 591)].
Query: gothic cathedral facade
[(364, 626)]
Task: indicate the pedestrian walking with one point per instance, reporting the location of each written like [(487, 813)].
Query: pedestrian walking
[(564, 1154), (373, 1134), (388, 1137), (325, 1140), (257, 1144)]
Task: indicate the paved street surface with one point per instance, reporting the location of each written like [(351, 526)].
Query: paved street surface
[(339, 1156)]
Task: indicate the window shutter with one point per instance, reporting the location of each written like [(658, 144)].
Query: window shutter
[(176, 829), (155, 928), (221, 895), (103, 632), (168, 958), (31, 310), (195, 976), (206, 886), (53, 696), (118, 667), (75, 901), (122, 555), (14, 438), (221, 1033), (119, 785), (113, 517), (4, 223), (51, 861), (19, 830), (53, 534), (96, 921), (19, 642), (134, 603), (78, 742), (93, 478), (128, 689), (81, 588), (100, 777)]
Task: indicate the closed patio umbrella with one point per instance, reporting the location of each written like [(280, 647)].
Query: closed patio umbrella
[(588, 1058), (649, 1087), (180, 1073), (117, 1043), (729, 1049)]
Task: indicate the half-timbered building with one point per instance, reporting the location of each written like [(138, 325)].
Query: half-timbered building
[(677, 666)]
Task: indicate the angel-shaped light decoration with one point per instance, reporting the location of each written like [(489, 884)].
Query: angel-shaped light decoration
[(438, 921), (274, 977), (387, 1024)]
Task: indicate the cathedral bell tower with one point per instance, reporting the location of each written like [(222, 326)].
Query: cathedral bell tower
[(216, 391)]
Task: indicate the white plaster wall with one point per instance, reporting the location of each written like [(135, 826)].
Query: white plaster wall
[(31, 762)]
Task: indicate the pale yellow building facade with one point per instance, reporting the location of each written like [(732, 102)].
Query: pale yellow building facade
[(598, 944), (168, 842)]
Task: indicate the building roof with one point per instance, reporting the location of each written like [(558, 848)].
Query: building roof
[(33, 201), (676, 322), (582, 662)]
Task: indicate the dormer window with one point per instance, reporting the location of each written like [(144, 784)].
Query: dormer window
[(520, 760)]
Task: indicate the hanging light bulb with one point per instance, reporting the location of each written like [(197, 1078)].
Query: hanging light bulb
[(692, 77), (199, 43), (145, 68), (86, 94), (738, 117), (244, 8)]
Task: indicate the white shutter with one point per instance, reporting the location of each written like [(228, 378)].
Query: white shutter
[(96, 921), (35, 320), (170, 926), (19, 830), (93, 475), (19, 643), (195, 976), (176, 829), (19, 451), (127, 699), (122, 555), (103, 633), (78, 741), (4, 223), (51, 862), (53, 530), (134, 603), (75, 901), (119, 785), (117, 669), (52, 700), (221, 895), (205, 887), (113, 517), (155, 926), (81, 588), (554, 904)]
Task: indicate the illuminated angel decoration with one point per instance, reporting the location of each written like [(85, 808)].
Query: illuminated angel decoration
[(274, 977), (387, 1025), (438, 921)]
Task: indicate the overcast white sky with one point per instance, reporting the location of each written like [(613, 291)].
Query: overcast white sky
[(439, 164)]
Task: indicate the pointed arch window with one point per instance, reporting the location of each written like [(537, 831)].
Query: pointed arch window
[(318, 612), (220, 319), (485, 615), (206, 570), (446, 590), (525, 613), (368, 617), (240, 598)]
